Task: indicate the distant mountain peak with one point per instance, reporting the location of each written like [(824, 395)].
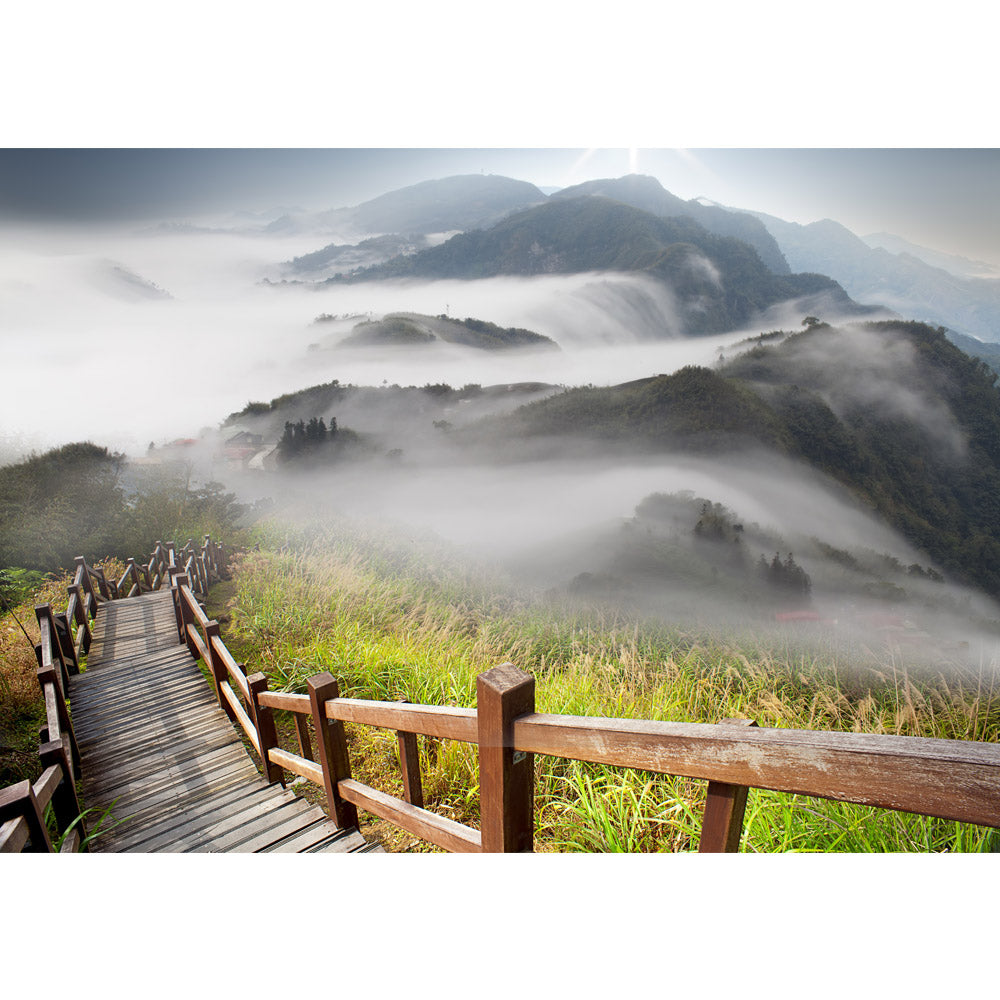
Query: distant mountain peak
[(649, 195)]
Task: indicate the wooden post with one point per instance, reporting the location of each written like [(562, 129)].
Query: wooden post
[(209, 560), (331, 742), (506, 775), (185, 616), (48, 675), (88, 583), (302, 731), (175, 594), (44, 611), (64, 634), (722, 824), (65, 803), (218, 667), (409, 765), (263, 720), (81, 614)]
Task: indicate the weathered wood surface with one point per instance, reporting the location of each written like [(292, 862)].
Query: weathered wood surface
[(951, 779), (157, 749)]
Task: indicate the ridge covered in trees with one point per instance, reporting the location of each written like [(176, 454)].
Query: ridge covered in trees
[(720, 282)]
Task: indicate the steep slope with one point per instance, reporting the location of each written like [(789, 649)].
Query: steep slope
[(467, 201), (961, 267), (648, 195), (901, 417), (719, 283), (901, 282)]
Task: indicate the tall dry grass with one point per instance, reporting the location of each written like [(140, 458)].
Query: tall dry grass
[(22, 708), (392, 619)]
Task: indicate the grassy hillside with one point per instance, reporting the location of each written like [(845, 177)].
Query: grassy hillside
[(893, 411), (392, 618), (407, 329)]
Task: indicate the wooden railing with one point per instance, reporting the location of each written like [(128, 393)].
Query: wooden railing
[(22, 806), (951, 779), (60, 653)]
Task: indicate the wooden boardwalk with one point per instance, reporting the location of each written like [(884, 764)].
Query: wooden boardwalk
[(157, 748)]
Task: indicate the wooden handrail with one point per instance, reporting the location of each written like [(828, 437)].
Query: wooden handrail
[(438, 830), (950, 779), (59, 657), (232, 667), (297, 765)]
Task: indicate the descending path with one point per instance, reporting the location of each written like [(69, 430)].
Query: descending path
[(157, 749)]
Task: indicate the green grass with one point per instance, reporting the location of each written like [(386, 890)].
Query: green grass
[(391, 617)]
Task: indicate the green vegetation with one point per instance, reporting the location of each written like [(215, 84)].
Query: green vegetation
[(306, 444), (78, 500), (393, 619), (388, 332), (406, 329), (892, 411), (22, 709)]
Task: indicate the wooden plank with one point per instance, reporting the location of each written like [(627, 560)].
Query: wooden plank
[(52, 709), (232, 825), (241, 716), (71, 842), (272, 825), (506, 775), (419, 822), (167, 757), (951, 779), (195, 639), (159, 744), (132, 734), (58, 755), (344, 842), (167, 683), (174, 808), (14, 835), (46, 785), (181, 825), (444, 722), (315, 835), (286, 702), (232, 667), (159, 776), (197, 611), (152, 813), (188, 702), (19, 800), (297, 765), (274, 835)]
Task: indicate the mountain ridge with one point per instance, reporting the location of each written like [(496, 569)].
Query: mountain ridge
[(720, 282)]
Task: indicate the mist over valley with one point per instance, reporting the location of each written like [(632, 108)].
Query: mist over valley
[(612, 395)]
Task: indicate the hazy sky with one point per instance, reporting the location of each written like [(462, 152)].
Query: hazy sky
[(948, 199)]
